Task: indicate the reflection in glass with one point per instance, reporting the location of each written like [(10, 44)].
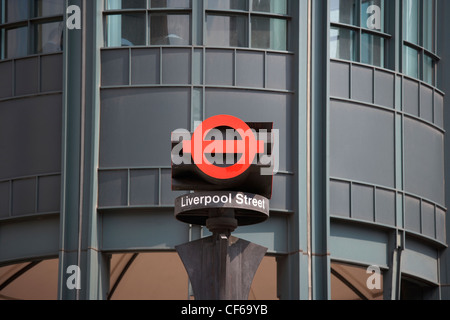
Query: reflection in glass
[(125, 29), (227, 4), (372, 14), (16, 42), (269, 33), (273, 6), (412, 62), (16, 10), (169, 29), (372, 50), (428, 66), (344, 11), (170, 3), (44, 8), (126, 4), (48, 37), (411, 20), (226, 30), (342, 44)]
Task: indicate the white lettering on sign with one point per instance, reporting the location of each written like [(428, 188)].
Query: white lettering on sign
[(240, 199)]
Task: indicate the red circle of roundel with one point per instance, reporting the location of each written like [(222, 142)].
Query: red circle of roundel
[(210, 169)]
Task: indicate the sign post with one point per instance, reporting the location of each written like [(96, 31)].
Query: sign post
[(224, 195)]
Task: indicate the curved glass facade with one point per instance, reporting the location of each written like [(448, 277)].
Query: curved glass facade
[(355, 87)]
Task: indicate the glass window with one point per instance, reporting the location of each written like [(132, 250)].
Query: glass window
[(16, 10), (226, 30), (342, 43), (48, 37), (169, 29), (272, 6), (269, 33), (227, 4), (126, 4), (428, 25), (372, 50), (412, 62), (16, 42), (411, 15), (125, 29), (171, 4), (428, 70), (344, 11), (44, 8)]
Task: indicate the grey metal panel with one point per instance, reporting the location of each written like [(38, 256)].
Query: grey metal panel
[(51, 73), (131, 135), (167, 195), (281, 193), (362, 83), (112, 188), (250, 69), (115, 67), (6, 83), (144, 188), (362, 202), (385, 207), (279, 71), (411, 97), (420, 260), (176, 66), (219, 67), (440, 225), (30, 136), (353, 243), (339, 79), (424, 160), (145, 66), (340, 199), (428, 219), (412, 214), (29, 239), (255, 106), (384, 89), (362, 143), (439, 110), (151, 230), (4, 199), (426, 103), (49, 194), (26, 76)]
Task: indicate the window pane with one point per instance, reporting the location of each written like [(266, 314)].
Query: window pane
[(171, 4), (411, 20), (372, 50), (126, 4), (48, 37), (372, 14), (428, 70), (412, 62), (48, 8), (269, 33), (226, 31), (125, 30), (273, 6), (428, 25), (227, 4), (16, 10), (168, 29), (342, 44), (344, 11), (16, 42)]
